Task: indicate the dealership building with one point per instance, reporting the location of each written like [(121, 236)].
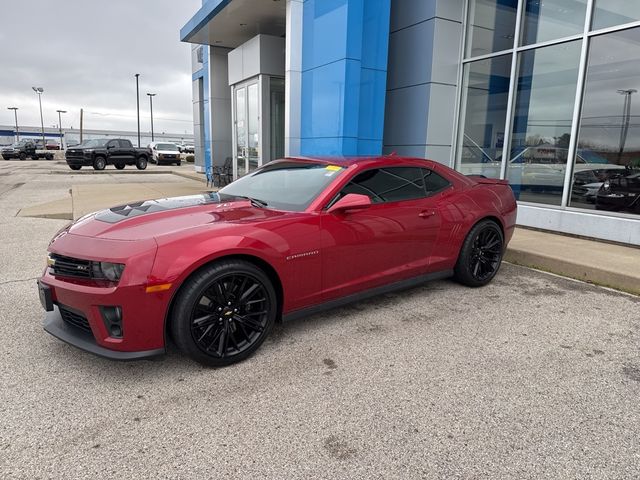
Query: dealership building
[(542, 93)]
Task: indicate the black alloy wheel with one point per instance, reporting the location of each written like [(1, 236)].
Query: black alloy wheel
[(141, 163), (224, 313), (99, 163), (481, 254)]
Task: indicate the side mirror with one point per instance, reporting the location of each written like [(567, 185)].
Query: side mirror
[(351, 201)]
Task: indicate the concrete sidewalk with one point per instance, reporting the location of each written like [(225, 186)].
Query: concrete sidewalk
[(591, 261)]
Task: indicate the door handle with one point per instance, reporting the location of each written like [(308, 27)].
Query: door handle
[(426, 213)]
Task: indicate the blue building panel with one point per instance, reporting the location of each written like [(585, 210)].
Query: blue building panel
[(204, 74), (344, 63)]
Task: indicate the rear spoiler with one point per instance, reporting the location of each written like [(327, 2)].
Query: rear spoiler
[(487, 181)]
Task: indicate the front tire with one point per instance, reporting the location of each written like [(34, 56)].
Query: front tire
[(75, 167), (481, 255), (22, 156), (223, 313), (141, 163), (99, 163), (119, 166)]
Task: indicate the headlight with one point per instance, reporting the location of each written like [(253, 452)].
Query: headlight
[(606, 185), (110, 271), (89, 150)]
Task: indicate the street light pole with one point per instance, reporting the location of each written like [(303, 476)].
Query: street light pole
[(626, 115), (138, 105), (151, 95), (39, 91), (15, 112), (60, 125)]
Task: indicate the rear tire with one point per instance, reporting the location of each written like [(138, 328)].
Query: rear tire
[(34, 157), (481, 254), (223, 313), (75, 167), (22, 156), (141, 163), (49, 157), (119, 166)]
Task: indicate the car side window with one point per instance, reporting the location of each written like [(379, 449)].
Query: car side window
[(433, 182), (387, 184), (112, 144), (124, 143)]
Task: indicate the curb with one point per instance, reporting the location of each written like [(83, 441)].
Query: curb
[(598, 276)]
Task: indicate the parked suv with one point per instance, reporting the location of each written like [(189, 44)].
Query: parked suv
[(107, 151), (164, 152)]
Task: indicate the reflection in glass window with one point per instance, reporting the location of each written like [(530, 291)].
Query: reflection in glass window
[(491, 26), (607, 168), (542, 122), (388, 184), (551, 19), (609, 13), (484, 110)]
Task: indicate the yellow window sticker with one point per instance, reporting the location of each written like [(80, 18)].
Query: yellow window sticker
[(333, 168)]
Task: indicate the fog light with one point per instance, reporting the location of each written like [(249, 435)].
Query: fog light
[(112, 318)]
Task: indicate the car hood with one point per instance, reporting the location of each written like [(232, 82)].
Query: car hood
[(156, 218)]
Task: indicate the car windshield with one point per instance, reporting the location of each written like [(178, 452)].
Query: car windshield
[(167, 146), (285, 185), (100, 142)]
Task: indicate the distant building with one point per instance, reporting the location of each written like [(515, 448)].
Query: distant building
[(544, 94), (71, 136)]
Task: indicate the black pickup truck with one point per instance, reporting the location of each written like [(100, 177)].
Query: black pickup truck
[(107, 151), (25, 149)]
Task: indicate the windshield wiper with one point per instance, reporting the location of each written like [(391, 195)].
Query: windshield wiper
[(254, 201)]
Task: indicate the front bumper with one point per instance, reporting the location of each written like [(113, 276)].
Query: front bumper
[(141, 315), (57, 327)]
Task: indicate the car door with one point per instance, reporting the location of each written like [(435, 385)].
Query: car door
[(113, 151), (127, 152), (389, 241)]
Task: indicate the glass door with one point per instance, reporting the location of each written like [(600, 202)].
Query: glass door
[(247, 128), (240, 160)]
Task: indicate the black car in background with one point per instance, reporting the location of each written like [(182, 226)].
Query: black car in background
[(620, 194), (101, 152), (25, 149)]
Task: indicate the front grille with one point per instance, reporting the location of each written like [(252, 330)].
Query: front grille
[(71, 267), (74, 319)]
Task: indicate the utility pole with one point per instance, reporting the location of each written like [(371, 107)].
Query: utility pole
[(60, 125), (81, 119), (626, 115), (39, 91), (151, 95), (15, 112), (138, 105)]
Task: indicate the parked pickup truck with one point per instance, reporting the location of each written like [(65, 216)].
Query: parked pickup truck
[(107, 151), (25, 149)]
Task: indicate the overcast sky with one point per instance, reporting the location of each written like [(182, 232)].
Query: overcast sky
[(84, 53)]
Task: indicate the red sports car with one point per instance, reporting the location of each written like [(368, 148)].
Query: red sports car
[(215, 271)]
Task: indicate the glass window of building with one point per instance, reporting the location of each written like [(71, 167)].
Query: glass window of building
[(552, 19), (607, 165), (491, 26), (483, 114), (609, 13), (541, 132)]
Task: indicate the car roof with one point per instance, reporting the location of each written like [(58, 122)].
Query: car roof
[(346, 161)]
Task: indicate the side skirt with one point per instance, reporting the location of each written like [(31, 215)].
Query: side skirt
[(373, 292)]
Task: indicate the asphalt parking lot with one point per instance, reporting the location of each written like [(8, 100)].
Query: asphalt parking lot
[(533, 376)]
